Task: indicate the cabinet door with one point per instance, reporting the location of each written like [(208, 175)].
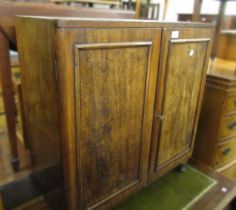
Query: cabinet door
[(115, 81), (184, 62)]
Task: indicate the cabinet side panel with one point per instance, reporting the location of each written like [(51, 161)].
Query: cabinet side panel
[(35, 40), (36, 49)]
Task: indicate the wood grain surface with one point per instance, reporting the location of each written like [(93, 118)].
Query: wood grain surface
[(107, 79)]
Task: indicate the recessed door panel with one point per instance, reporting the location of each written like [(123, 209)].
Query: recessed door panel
[(112, 91), (112, 86), (183, 81)]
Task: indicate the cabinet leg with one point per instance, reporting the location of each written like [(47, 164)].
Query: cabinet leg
[(15, 164), (1, 203), (182, 168)]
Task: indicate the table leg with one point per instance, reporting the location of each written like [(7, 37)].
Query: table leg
[(8, 98), (22, 110), (1, 203)]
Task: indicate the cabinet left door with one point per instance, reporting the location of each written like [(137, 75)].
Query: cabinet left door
[(113, 81)]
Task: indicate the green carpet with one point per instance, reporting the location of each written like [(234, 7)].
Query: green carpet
[(174, 191)]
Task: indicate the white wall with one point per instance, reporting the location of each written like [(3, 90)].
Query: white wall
[(186, 6), (178, 6), (210, 7), (231, 8)]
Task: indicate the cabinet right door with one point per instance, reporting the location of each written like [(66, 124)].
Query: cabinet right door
[(179, 92)]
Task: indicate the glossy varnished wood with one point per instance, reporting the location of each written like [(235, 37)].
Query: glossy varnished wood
[(227, 127), (229, 170), (225, 152), (230, 104)]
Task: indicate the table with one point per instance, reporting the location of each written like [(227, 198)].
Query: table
[(8, 11), (108, 2)]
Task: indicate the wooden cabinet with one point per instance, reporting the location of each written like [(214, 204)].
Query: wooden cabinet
[(216, 137), (92, 89)]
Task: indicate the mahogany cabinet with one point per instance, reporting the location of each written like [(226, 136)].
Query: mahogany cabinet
[(114, 103)]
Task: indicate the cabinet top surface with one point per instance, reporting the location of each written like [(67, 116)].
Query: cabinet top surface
[(69, 22), (230, 77), (229, 32), (221, 69)]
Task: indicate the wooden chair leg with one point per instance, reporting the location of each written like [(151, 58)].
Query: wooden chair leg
[(8, 98), (1, 203), (24, 128)]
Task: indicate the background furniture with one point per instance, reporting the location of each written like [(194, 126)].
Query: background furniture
[(8, 40), (227, 45), (228, 22), (7, 93), (219, 21), (215, 142), (112, 3), (103, 102), (15, 73), (151, 11), (219, 26)]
